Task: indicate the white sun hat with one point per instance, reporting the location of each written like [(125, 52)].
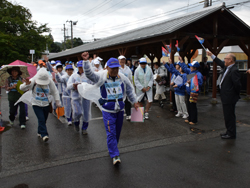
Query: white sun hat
[(42, 77)]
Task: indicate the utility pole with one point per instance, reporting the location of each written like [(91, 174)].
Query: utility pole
[(71, 25), (206, 4), (64, 37)]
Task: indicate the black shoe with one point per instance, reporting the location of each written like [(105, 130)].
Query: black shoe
[(227, 137), (223, 134), (77, 128)]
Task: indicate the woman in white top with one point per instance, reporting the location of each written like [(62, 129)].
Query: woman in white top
[(42, 86), (159, 71), (124, 69), (143, 82)]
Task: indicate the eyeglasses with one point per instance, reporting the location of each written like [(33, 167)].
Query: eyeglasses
[(227, 58)]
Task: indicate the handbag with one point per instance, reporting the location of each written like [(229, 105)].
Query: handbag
[(163, 81)]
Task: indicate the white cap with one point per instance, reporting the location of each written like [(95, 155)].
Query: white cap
[(58, 64), (52, 62), (96, 62), (42, 77), (100, 59), (143, 60), (121, 57)]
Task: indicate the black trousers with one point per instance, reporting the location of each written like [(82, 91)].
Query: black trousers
[(192, 111), (230, 118), (13, 110), (173, 101), (127, 107)]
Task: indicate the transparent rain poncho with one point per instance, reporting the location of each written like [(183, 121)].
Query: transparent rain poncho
[(93, 93), (80, 106)]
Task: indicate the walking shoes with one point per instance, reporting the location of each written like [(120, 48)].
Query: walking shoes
[(116, 160)]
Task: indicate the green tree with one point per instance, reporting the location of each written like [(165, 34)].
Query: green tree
[(19, 34), (53, 47), (76, 42)]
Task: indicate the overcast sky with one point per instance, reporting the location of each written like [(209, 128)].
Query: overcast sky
[(103, 18)]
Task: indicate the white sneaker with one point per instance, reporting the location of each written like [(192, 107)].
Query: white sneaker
[(69, 123), (116, 160), (146, 115), (45, 138), (11, 123), (39, 135), (185, 116), (178, 115), (84, 132), (27, 118), (22, 126), (128, 118)]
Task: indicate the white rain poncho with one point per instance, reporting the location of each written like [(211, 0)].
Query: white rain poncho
[(160, 89), (33, 97), (127, 72), (80, 106), (66, 95), (93, 92), (143, 80), (60, 84)]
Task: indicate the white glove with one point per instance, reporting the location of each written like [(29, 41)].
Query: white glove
[(58, 104)]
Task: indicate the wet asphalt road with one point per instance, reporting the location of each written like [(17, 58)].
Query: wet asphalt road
[(162, 152)]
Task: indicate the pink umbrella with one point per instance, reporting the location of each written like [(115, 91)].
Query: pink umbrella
[(31, 69)]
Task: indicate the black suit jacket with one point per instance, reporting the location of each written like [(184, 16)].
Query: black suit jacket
[(230, 87)]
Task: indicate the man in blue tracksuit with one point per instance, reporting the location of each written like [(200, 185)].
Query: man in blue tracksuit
[(114, 87), (193, 91)]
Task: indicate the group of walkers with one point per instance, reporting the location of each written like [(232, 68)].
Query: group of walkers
[(114, 87)]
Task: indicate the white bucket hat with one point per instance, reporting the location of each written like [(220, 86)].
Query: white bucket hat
[(96, 62), (100, 59), (42, 77)]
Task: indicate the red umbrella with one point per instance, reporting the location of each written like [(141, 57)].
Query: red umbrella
[(31, 69)]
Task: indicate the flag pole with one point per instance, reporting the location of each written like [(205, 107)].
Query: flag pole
[(203, 47)]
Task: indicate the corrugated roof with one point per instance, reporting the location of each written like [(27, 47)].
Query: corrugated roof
[(153, 30)]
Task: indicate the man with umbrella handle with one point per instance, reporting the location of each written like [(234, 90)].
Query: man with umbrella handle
[(14, 95)]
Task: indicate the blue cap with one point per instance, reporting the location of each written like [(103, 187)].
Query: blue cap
[(113, 63), (195, 64), (52, 62), (70, 62), (69, 67), (79, 63), (58, 61)]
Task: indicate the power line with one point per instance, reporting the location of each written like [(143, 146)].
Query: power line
[(106, 10), (155, 17), (147, 19), (119, 8), (96, 7)]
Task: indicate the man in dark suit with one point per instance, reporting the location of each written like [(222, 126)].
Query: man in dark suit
[(230, 92)]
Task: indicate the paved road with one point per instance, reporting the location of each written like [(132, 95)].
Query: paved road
[(163, 151)]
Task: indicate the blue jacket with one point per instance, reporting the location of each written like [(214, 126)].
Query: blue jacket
[(199, 75), (180, 90)]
